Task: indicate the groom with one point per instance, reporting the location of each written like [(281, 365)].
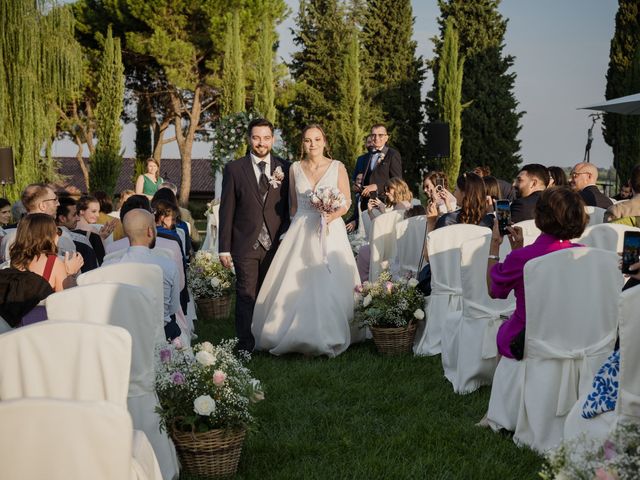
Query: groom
[(254, 213)]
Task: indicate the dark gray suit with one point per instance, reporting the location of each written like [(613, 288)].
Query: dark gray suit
[(242, 213)]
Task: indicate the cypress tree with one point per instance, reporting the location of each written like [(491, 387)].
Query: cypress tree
[(107, 162), (40, 68), (450, 75), (233, 95), (394, 77), (490, 122), (264, 98), (622, 132)]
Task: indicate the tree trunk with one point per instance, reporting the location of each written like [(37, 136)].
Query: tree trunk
[(185, 138), (79, 157)]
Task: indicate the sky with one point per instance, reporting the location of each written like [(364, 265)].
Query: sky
[(561, 50)]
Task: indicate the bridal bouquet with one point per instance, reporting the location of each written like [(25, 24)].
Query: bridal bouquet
[(388, 303), (328, 200), (207, 278), (210, 390)]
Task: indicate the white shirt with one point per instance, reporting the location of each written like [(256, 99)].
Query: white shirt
[(170, 279), (256, 169)]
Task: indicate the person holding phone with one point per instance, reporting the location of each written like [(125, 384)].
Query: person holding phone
[(560, 215), (436, 189)]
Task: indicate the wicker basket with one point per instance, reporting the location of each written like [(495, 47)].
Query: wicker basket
[(394, 340), (215, 453), (214, 308)]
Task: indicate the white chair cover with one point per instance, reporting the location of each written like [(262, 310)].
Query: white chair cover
[(469, 349), (608, 236), (628, 405), (142, 398), (211, 237), (529, 229), (364, 225), (410, 235), (137, 274), (383, 241), (65, 440), (443, 246), (596, 214), (572, 306), (79, 361)]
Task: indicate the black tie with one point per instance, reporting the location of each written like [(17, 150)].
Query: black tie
[(263, 184)]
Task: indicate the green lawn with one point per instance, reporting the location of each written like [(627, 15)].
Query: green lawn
[(365, 416)]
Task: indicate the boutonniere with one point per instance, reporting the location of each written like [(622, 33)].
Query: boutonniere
[(277, 177), (381, 158)]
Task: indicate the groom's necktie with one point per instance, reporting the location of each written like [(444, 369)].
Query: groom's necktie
[(374, 160), (263, 185)]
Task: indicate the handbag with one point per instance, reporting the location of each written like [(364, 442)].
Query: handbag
[(424, 280)]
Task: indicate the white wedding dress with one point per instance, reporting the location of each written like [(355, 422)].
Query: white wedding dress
[(305, 306)]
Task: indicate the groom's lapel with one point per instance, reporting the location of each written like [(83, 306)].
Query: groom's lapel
[(251, 176)]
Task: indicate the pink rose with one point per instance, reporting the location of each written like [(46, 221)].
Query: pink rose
[(609, 450), (388, 287), (358, 288), (602, 474), (219, 377), (177, 343)]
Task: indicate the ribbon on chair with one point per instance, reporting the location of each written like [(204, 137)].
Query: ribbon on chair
[(492, 318), (571, 372)]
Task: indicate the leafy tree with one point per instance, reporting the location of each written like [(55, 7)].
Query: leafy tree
[(487, 86), (450, 76), (394, 77), (40, 68), (175, 46), (106, 162), (622, 132)]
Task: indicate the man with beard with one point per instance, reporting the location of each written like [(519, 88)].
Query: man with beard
[(531, 180), (140, 228)]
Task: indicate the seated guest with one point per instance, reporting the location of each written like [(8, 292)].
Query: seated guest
[(5, 215), (185, 214), (625, 192), (88, 209), (492, 190), (627, 211), (557, 177), (415, 211), (398, 197), (167, 195), (139, 226), (472, 199), (104, 217), (583, 180), (560, 215), (507, 191), (532, 179), (35, 250), (435, 186), (67, 219)]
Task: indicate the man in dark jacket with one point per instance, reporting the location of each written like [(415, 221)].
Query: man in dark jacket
[(583, 179), (531, 180)]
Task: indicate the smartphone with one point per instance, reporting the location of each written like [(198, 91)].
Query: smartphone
[(439, 184), (373, 195), (503, 214), (630, 250)]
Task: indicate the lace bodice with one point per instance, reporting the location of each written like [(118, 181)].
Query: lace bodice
[(304, 187)]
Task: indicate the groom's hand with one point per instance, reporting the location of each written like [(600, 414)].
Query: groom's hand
[(226, 261)]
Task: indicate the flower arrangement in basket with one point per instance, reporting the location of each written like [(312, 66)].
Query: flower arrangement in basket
[(618, 458), (211, 284), (390, 309), (205, 404)]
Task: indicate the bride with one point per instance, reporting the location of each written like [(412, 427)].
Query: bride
[(305, 305)]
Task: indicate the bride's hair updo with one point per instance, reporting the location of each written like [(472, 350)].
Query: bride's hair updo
[(327, 152)]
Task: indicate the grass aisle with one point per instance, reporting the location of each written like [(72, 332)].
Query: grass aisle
[(364, 416)]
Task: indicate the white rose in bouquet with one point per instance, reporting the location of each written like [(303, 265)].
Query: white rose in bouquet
[(204, 405), (419, 314), (413, 283), (367, 300), (215, 282), (205, 358)]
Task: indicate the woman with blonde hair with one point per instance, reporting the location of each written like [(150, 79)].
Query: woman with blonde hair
[(305, 304), (149, 182)]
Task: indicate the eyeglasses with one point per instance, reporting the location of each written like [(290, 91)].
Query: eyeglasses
[(575, 174), (379, 135), (55, 199)]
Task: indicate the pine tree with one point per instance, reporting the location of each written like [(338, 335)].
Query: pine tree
[(106, 162), (394, 77), (487, 87), (622, 132), (316, 69), (40, 69), (143, 140), (450, 75), (233, 95), (264, 98)]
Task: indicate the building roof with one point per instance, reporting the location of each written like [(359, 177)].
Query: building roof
[(170, 170)]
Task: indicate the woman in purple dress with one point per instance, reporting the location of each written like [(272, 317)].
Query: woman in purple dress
[(560, 215)]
